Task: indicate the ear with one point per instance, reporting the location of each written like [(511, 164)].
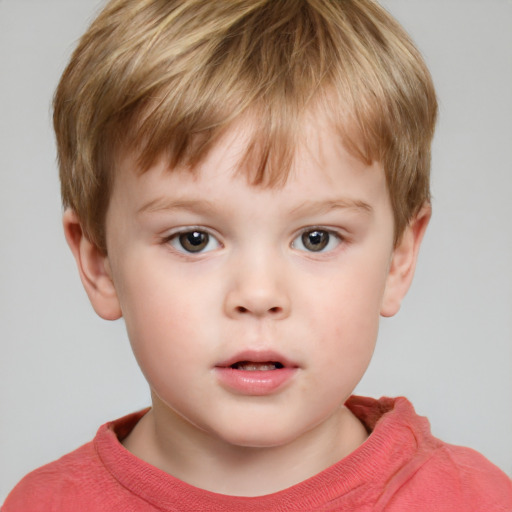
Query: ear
[(403, 262), (93, 267)]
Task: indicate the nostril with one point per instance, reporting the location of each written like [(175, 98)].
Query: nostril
[(274, 310)]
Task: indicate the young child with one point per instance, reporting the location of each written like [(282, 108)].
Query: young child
[(246, 183)]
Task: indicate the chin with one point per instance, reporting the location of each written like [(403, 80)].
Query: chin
[(260, 436)]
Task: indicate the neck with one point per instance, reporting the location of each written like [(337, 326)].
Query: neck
[(198, 458)]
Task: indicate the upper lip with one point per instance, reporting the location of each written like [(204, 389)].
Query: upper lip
[(257, 356)]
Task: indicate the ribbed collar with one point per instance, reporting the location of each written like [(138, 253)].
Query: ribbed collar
[(397, 436)]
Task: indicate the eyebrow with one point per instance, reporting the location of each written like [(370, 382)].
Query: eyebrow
[(207, 207), (320, 207), (166, 204)]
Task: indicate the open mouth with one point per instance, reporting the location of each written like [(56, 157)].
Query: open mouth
[(256, 372), (250, 366)]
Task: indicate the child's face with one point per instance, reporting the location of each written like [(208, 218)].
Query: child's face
[(210, 271)]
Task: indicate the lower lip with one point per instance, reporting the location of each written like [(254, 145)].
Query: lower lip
[(255, 383)]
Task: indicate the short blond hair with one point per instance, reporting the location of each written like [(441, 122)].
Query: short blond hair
[(168, 77)]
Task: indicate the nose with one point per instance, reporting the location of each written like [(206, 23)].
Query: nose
[(258, 289)]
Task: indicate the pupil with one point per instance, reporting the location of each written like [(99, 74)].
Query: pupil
[(194, 241), (315, 240), (195, 238)]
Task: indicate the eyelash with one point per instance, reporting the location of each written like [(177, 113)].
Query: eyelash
[(323, 236)]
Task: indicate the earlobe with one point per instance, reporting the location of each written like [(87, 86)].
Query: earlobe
[(403, 262), (93, 267)]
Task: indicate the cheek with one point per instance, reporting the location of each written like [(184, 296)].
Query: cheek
[(163, 345), (349, 301), (345, 317), (161, 316)]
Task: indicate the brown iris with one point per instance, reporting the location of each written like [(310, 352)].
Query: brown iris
[(315, 240), (194, 241)]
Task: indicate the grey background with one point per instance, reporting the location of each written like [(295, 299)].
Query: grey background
[(63, 371)]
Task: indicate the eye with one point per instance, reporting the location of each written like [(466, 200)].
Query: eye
[(193, 241), (316, 240)]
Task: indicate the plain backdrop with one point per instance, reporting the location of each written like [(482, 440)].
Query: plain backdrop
[(63, 371)]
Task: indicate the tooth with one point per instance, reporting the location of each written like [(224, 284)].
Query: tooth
[(252, 367)]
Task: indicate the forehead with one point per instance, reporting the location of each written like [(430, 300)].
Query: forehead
[(321, 166)]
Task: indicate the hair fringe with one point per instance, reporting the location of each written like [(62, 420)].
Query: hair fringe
[(169, 77)]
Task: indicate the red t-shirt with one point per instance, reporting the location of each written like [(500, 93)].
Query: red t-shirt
[(400, 467)]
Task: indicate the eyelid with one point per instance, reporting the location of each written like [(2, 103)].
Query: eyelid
[(171, 233)]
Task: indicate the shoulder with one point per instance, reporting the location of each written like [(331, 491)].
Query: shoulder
[(454, 478), (56, 484), (424, 473), (83, 480), (479, 481)]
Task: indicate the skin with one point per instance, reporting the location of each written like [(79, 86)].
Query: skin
[(255, 286)]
